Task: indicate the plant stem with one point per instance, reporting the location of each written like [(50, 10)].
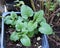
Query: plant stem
[(48, 6), (42, 4), (33, 6), (45, 9)]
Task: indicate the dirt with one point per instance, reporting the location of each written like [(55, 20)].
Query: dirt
[(36, 40)]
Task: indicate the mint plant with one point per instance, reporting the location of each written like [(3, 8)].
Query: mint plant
[(27, 27)]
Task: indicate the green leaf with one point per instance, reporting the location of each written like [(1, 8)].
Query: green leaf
[(46, 4), (45, 28), (52, 6), (25, 41), (38, 16), (14, 36), (43, 20), (26, 11), (30, 34), (35, 25), (24, 30), (51, 9), (13, 23), (7, 20), (11, 19), (25, 24), (13, 15), (32, 26), (19, 25), (20, 18)]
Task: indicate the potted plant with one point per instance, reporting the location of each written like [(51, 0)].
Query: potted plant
[(25, 29)]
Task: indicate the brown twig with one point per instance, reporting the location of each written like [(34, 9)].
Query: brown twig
[(42, 4), (53, 15), (57, 43), (48, 6)]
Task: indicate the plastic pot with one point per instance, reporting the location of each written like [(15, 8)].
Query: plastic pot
[(45, 43)]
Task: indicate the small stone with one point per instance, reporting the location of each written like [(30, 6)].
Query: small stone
[(18, 45), (38, 38), (39, 46), (37, 43), (10, 26), (38, 5)]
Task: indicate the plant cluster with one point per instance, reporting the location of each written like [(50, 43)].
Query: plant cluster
[(27, 25), (50, 6)]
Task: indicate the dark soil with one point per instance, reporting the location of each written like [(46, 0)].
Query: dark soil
[(10, 5), (10, 44)]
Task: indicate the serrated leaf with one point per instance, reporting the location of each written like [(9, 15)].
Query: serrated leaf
[(19, 25), (35, 25), (25, 24), (32, 26), (14, 22), (25, 41), (7, 20), (14, 36), (11, 19), (38, 16), (13, 15), (26, 11), (24, 30), (45, 28), (20, 18)]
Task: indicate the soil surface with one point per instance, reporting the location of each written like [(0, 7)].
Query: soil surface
[(36, 40)]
